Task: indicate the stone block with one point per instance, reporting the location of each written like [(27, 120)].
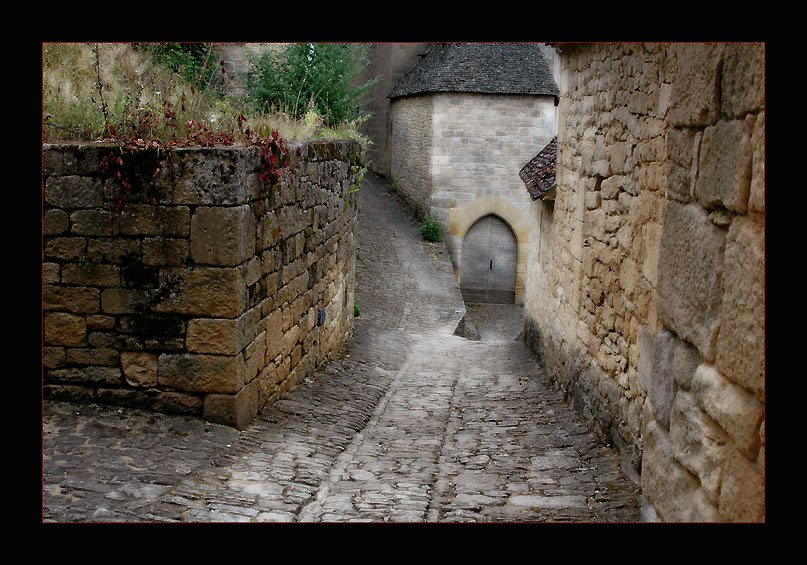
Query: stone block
[(651, 236), (164, 251), (699, 443), (99, 223), (673, 491), (91, 375), (681, 154), (194, 372), (741, 341), (253, 272), (593, 200), (742, 495), (73, 192), (611, 187), (274, 334), (652, 150), (176, 221), (690, 268), (55, 222), (100, 322), (226, 409), (217, 293), (53, 357), (124, 300), (290, 339), (210, 176), (90, 274), (724, 166), (139, 368), (68, 393), (736, 410), (756, 200), (155, 220), (65, 329), (254, 357), (247, 327), (112, 250), (94, 375), (222, 236), (93, 356), (53, 159), (240, 409), (78, 300), (212, 335), (695, 99), (686, 360), (661, 391), (743, 79), (595, 224), (65, 248)]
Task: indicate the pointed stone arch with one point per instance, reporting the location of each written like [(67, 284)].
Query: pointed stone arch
[(461, 219)]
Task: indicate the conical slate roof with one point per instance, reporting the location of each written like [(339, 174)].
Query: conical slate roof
[(489, 68)]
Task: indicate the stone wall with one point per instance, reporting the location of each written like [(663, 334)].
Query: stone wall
[(201, 297), (412, 147), (645, 292)]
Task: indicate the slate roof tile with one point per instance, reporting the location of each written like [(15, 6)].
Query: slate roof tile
[(539, 173), (489, 68)]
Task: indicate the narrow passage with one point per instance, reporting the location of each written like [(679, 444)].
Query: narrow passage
[(410, 424)]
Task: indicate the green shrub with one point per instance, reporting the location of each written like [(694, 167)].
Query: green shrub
[(356, 310), (314, 80), (194, 62), (431, 230)]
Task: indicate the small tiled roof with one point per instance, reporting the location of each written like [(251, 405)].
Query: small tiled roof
[(539, 173), (489, 68)]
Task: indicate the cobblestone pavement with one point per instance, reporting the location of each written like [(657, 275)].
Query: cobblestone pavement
[(410, 424)]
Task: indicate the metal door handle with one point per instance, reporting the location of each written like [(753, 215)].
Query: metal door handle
[(491, 263)]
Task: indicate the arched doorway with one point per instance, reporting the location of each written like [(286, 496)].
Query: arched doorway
[(489, 259)]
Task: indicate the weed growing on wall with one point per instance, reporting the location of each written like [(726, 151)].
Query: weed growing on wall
[(275, 166), (431, 230)]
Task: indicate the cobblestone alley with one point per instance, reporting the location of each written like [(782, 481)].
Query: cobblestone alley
[(411, 424)]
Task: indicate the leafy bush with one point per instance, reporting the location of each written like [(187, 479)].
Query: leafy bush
[(431, 230), (194, 62), (313, 80)]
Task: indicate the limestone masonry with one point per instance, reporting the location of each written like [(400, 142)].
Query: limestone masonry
[(463, 122), (645, 287), (200, 297)]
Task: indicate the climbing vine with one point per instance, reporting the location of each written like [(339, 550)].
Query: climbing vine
[(275, 165), (118, 164)]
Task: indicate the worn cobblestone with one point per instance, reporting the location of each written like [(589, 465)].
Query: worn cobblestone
[(410, 424)]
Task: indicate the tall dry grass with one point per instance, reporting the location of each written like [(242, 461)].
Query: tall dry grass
[(133, 96), (140, 98)]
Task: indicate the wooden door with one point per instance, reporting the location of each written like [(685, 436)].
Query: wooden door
[(489, 257)]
